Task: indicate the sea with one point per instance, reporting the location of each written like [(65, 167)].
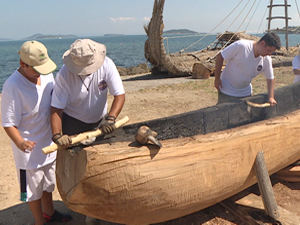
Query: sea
[(124, 50)]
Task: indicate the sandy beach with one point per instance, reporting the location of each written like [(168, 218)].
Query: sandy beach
[(147, 97)]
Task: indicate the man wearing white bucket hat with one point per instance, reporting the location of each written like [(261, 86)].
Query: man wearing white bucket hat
[(79, 101)]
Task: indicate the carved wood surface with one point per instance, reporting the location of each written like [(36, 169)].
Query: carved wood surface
[(128, 183)]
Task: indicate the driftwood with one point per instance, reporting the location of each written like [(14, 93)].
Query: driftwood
[(127, 183), (181, 64)]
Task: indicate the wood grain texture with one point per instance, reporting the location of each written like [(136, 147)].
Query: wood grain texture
[(127, 183)]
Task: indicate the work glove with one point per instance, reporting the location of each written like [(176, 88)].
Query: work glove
[(63, 140), (108, 124)]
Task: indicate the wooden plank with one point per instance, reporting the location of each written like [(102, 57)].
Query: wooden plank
[(240, 213), (254, 201), (290, 174)]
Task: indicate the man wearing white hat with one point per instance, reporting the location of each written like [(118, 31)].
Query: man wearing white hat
[(79, 101), (25, 112)]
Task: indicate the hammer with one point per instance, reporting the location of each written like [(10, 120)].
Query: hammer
[(144, 135)]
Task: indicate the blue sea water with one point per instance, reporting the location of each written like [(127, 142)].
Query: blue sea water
[(125, 50)]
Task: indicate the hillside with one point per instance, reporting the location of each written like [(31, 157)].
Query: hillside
[(180, 31), (42, 36), (291, 30)]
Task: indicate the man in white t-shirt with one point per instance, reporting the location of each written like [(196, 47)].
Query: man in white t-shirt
[(79, 101), (25, 116), (296, 66), (245, 60)]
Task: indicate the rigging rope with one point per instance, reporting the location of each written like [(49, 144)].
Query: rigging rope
[(298, 15), (237, 29), (252, 15), (182, 50), (263, 18)]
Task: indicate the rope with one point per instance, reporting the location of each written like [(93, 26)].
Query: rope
[(182, 50), (262, 19), (236, 30), (298, 15), (252, 15), (297, 9)]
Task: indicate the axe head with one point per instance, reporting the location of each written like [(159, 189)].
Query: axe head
[(145, 134)]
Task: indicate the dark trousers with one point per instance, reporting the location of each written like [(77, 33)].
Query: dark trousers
[(223, 98), (71, 126)]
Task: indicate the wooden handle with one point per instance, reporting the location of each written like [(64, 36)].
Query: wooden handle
[(258, 105), (85, 136)]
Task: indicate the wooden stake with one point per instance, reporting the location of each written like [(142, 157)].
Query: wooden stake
[(265, 186)]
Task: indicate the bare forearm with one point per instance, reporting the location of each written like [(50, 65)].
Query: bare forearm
[(271, 86), (117, 105), (56, 120), (16, 137), (218, 66)]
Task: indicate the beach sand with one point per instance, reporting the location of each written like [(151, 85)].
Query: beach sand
[(147, 97)]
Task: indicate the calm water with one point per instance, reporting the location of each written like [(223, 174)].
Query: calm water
[(125, 51)]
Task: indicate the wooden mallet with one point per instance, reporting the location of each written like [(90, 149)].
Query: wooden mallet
[(85, 136)]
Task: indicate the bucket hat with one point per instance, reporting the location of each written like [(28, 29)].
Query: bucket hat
[(35, 54), (84, 57)]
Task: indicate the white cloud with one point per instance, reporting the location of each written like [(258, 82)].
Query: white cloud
[(122, 19), (146, 19)]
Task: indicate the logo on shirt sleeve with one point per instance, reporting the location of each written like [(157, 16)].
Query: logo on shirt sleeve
[(259, 68), (102, 85)]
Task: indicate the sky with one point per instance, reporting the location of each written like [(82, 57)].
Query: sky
[(20, 19)]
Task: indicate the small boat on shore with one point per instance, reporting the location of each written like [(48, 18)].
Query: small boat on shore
[(206, 156)]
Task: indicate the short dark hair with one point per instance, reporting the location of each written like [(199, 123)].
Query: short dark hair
[(272, 40)]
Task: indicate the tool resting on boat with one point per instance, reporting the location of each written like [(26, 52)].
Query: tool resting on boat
[(258, 105), (85, 136)]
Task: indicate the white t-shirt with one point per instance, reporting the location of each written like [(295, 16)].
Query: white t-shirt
[(26, 106), (89, 106), (296, 65), (242, 67)]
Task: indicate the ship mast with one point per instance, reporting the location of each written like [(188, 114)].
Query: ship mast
[(286, 18)]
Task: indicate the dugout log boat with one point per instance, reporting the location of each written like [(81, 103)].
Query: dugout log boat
[(206, 156)]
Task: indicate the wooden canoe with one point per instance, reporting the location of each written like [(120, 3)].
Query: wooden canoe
[(126, 183)]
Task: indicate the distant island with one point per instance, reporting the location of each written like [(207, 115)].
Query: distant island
[(291, 30), (113, 34), (180, 31), (5, 39), (42, 36)]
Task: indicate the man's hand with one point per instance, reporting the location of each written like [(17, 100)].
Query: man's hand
[(218, 84), (27, 146), (272, 102), (108, 124), (62, 140)]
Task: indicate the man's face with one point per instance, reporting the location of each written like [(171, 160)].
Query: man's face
[(32, 73), (266, 50)]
